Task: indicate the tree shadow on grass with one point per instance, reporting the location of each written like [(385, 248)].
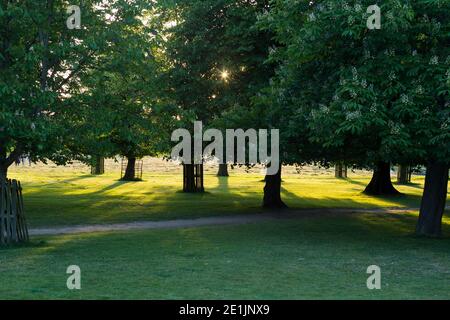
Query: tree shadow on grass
[(223, 183), (359, 201), (71, 180), (411, 185), (226, 197), (353, 181), (111, 187), (26, 245)]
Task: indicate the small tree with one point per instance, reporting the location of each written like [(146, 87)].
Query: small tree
[(124, 110)]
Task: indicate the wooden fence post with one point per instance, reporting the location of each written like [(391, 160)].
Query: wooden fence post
[(13, 226)]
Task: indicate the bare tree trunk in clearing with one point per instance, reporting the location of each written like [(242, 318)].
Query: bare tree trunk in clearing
[(130, 172), (99, 167), (341, 171), (403, 175), (272, 192), (381, 184), (223, 170)]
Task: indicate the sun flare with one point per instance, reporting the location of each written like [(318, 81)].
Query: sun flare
[(225, 75)]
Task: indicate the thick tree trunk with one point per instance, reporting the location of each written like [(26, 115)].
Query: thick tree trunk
[(403, 175), (341, 171), (223, 170), (433, 201), (272, 192), (6, 161), (193, 178), (130, 172), (381, 184), (99, 167)]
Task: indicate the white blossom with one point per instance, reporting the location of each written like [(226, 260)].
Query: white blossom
[(355, 74), (434, 60), (364, 83), (351, 20), (392, 76), (419, 89), (404, 99), (395, 128), (350, 116), (436, 25), (324, 109)]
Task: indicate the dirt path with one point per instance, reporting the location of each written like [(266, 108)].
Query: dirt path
[(208, 221)]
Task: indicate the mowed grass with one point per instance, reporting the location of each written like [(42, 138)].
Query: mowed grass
[(323, 257), (56, 196)]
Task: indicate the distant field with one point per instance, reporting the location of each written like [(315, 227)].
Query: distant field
[(70, 195)]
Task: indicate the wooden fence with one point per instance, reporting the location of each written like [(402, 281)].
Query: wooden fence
[(13, 226)]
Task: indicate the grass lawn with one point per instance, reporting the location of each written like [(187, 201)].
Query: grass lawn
[(322, 257), (57, 196)]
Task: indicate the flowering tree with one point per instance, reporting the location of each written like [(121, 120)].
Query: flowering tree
[(122, 107), (372, 96), (41, 62), (47, 53)]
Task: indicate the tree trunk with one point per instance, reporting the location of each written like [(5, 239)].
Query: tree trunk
[(3, 172), (223, 170), (99, 167), (272, 192), (403, 174), (341, 171), (433, 200), (381, 184), (193, 178), (130, 172)]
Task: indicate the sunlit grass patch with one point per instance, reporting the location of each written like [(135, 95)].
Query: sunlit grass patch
[(70, 195)]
